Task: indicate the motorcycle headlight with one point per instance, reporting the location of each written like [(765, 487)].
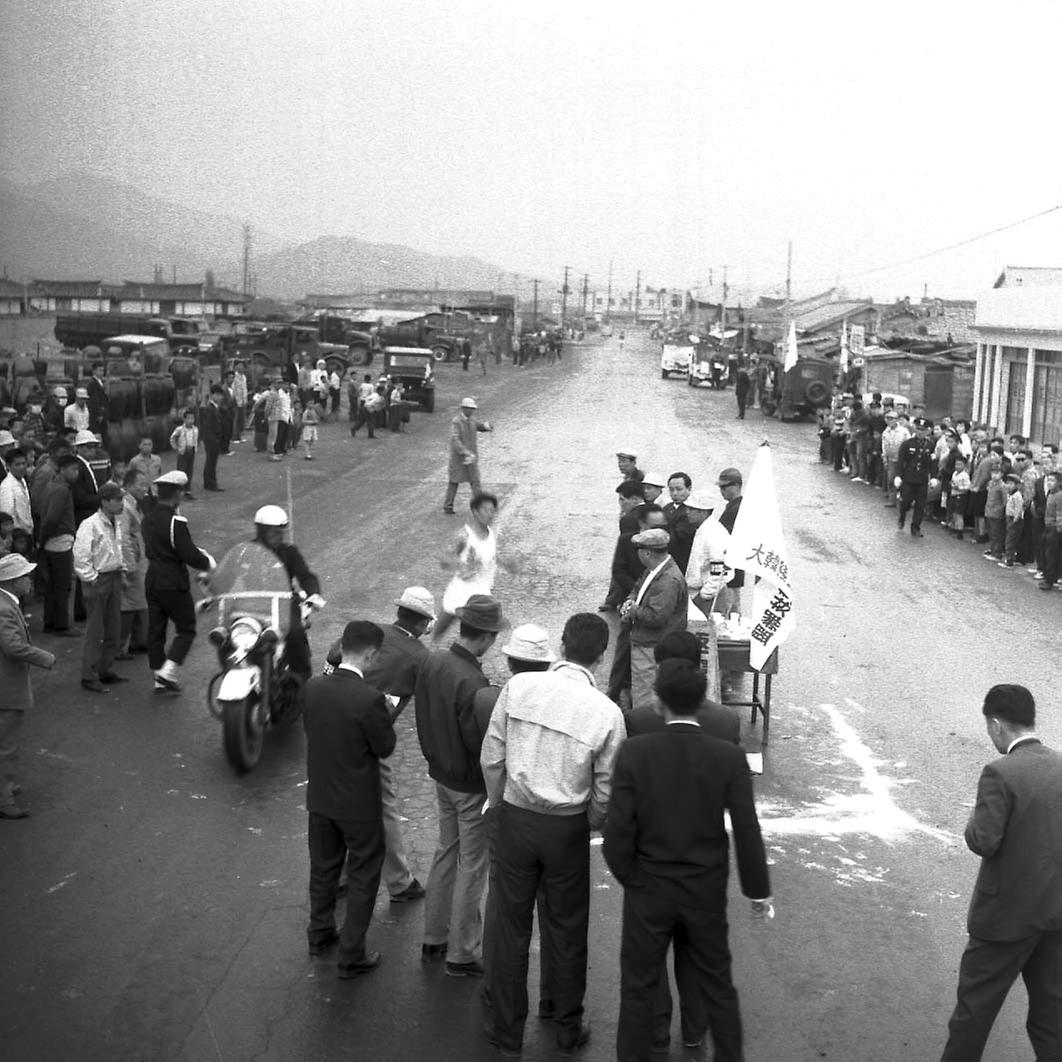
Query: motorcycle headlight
[(245, 634)]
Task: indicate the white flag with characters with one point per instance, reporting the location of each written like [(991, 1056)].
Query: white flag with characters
[(757, 546)]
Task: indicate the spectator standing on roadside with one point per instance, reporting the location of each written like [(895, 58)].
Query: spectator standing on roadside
[(17, 655), (311, 418), (184, 440), (1015, 516), (742, 386), (891, 439), (914, 468), (15, 491), (464, 451), (56, 546), (239, 403), (995, 510), (451, 740), (1052, 529), (134, 633), (335, 391), (212, 435), (99, 566), (146, 461), (959, 489)]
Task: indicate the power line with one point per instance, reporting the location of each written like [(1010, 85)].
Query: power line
[(942, 250)]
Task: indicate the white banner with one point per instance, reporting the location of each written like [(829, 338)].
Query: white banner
[(757, 546), (791, 353), (857, 340), (844, 347)]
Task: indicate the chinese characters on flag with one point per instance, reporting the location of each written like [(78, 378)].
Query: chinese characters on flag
[(758, 547)]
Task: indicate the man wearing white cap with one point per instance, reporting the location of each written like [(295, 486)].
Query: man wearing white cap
[(547, 762), (76, 415), (464, 451), (170, 552), (393, 671), (653, 485), (17, 656)]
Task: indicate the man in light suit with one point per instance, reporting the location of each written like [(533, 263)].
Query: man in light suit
[(464, 452), (666, 842), (1015, 917), (348, 732), (17, 656), (657, 604)]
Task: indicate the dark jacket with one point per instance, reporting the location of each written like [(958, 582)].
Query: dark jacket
[(914, 462), (727, 518), (716, 721), (682, 531), (97, 403), (627, 569), (446, 721), (1016, 828), (86, 500), (348, 732), (665, 827), (397, 663), (57, 510), (170, 550), (211, 425)]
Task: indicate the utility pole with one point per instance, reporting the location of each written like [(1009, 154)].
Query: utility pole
[(789, 275), (722, 313), (247, 259), (608, 301), (637, 294), (534, 309), (564, 295), (586, 284)]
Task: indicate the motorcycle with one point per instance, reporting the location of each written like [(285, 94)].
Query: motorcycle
[(255, 687)]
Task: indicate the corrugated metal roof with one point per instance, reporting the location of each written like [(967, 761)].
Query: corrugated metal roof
[(1036, 308)]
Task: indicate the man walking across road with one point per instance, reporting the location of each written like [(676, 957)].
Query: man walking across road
[(348, 733), (450, 740), (100, 566), (170, 551), (742, 386), (914, 468), (547, 761), (17, 656), (666, 843), (1015, 916), (464, 452)]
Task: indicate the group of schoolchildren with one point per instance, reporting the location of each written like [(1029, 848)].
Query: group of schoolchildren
[(994, 490)]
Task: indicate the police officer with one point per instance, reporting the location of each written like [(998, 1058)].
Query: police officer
[(170, 553), (270, 523), (914, 467)]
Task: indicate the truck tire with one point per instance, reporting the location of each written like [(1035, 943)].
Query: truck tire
[(440, 353), (360, 355), (816, 392)]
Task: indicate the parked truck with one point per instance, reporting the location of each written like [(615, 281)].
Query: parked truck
[(80, 330)]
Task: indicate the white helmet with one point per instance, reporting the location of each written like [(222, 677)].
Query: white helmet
[(271, 516)]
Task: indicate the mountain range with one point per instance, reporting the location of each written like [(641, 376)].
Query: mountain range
[(85, 226)]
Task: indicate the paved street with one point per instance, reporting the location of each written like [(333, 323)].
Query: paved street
[(154, 905)]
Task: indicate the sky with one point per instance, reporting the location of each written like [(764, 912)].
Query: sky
[(668, 138)]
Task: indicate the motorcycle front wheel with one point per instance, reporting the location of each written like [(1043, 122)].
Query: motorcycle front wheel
[(241, 734)]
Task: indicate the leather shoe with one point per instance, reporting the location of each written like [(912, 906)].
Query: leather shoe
[(111, 677), (503, 1051), (319, 947), (915, 533), (567, 1045), (93, 686), (473, 968), (13, 811), (348, 970), (413, 891)]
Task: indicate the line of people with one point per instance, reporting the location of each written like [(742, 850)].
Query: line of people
[(982, 487)]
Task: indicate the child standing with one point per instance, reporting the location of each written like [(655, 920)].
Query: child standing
[(311, 417), (184, 440), (295, 427), (996, 512), (145, 460), (1015, 513), (960, 488)]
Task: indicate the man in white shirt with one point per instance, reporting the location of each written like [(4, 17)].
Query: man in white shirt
[(547, 762), (98, 564), (14, 491), (77, 415)]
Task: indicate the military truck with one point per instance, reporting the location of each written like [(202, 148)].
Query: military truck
[(805, 388), (80, 330)]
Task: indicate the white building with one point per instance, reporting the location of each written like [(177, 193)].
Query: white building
[(1018, 378)]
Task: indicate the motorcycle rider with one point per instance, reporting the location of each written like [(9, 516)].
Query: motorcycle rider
[(270, 524)]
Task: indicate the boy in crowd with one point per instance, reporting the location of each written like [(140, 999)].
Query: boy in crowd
[(996, 512), (146, 461), (1052, 529), (1015, 515), (184, 440)]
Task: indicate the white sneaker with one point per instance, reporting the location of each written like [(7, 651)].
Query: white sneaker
[(169, 676)]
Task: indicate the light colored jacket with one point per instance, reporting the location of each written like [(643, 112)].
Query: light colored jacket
[(97, 547), (134, 597), (15, 501), (17, 656), (464, 445)]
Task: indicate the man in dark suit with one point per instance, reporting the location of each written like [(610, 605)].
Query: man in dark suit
[(211, 430), (716, 720), (666, 843), (348, 732), (97, 399), (631, 500), (1015, 917)]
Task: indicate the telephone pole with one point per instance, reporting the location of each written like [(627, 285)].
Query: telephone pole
[(247, 259), (722, 314), (534, 309), (564, 295), (789, 275), (586, 284), (637, 294), (608, 301)]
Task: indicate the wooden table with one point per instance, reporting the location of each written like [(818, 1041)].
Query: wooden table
[(734, 656)]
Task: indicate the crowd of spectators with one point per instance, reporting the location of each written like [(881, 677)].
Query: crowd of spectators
[(986, 488)]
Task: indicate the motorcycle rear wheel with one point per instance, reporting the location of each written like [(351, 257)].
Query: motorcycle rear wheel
[(241, 736)]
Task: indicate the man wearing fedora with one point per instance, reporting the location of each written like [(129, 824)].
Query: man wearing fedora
[(450, 740), (464, 451), (17, 656), (547, 761)]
